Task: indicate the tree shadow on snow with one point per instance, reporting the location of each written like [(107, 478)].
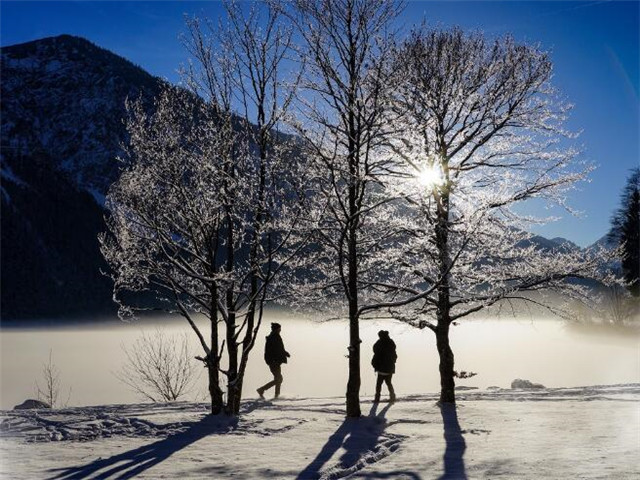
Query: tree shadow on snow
[(134, 462), (358, 436), (455, 444)]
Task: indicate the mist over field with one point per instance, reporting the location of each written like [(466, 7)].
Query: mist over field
[(544, 351)]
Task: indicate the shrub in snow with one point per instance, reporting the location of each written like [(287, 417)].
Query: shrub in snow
[(49, 389), (159, 367)]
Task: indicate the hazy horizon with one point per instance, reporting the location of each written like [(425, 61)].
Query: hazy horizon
[(546, 352)]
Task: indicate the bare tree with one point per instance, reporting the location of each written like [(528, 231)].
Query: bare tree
[(258, 45), (242, 63), (163, 217), (619, 306), (159, 367), (204, 210), (481, 133), (49, 392), (346, 43)]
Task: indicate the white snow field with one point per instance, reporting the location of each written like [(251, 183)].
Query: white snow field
[(555, 433)]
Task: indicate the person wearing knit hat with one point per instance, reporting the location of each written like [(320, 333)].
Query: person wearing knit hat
[(384, 363), (274, 356)]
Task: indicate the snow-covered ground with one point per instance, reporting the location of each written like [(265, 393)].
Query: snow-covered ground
[(584, 432)]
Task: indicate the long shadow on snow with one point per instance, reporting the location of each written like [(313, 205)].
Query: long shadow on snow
[(134, 462), (453, 455), (362, 433), (455, 444)]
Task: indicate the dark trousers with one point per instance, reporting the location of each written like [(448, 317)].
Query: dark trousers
[(386, 379), (277, 379)]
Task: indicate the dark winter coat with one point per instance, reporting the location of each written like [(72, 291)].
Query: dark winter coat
[(384, 356), (274, 352)]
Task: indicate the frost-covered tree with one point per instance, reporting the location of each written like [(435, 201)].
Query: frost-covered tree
[(169, 210), (204, 209), (241, 62), (625, 231), (340, 119), (480, 132)]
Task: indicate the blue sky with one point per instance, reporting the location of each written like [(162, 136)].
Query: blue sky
[(594, 44)]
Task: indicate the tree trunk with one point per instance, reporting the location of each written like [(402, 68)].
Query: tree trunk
[(215, 392), (353, 157), (232, 371), (212, 364), (447, 382), (353, 384), (234, 396), (230, 324), (234, 393)]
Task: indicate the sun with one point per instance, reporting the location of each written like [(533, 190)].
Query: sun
[(430, 176)]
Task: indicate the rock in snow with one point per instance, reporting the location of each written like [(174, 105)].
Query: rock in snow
[(31, 404), (526, 385)]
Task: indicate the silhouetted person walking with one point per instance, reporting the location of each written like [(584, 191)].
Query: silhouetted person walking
[(384, 362), (274, 355)]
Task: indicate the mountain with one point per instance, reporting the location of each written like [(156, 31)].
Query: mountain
[(602, 242), (566, 243), (66, 96), (549, 244), (63, 105)]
